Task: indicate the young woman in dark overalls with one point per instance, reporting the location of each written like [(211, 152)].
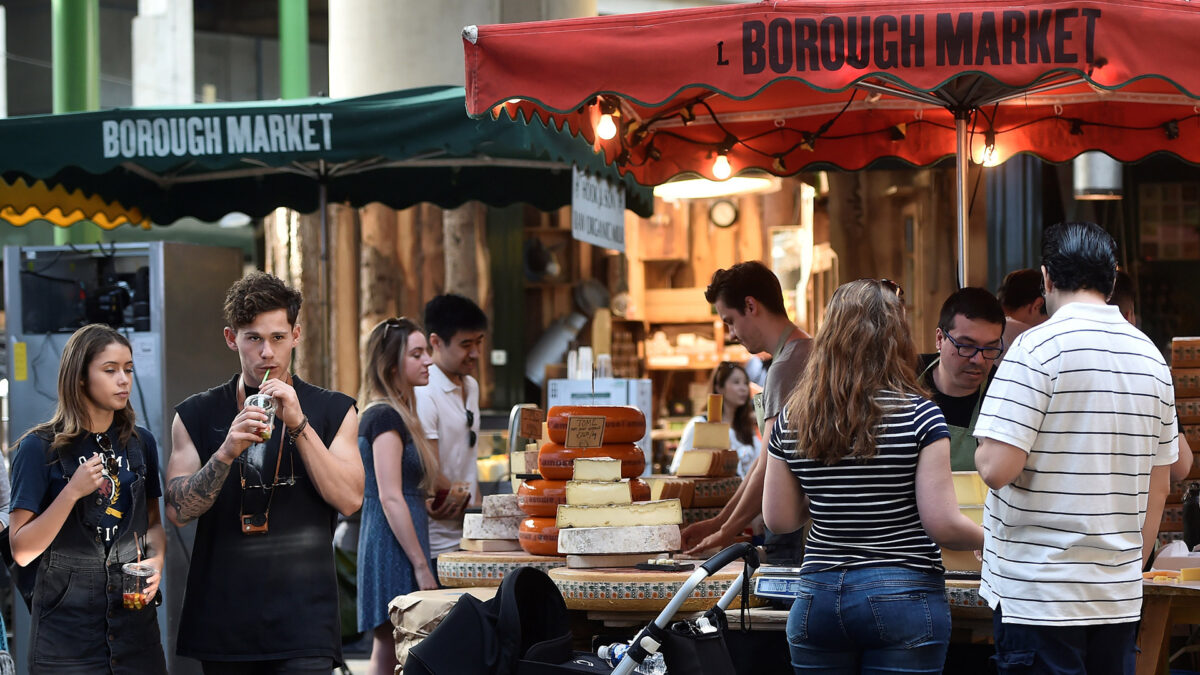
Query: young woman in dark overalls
[(85, 501)]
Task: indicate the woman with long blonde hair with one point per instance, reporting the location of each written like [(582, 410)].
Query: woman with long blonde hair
[(393, 543), (862, 451)]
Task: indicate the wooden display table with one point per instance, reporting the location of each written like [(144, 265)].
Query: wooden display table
[(463, 569), (625, 589)]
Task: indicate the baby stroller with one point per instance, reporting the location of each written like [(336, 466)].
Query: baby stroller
[(525, 630)]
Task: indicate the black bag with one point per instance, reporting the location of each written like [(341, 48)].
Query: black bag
[(24, 578), (687, 650), (525, 629)]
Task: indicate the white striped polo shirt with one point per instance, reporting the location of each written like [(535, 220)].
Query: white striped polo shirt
[(1089, 397)]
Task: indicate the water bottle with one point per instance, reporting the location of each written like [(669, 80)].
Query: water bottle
[(612, 655), (1191, 516)]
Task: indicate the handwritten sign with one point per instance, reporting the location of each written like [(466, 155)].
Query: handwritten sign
[(531, 422), (585, 431)]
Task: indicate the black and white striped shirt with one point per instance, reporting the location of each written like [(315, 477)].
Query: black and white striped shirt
[(864, 513), (1090, 400)]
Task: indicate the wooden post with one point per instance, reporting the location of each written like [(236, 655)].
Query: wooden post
[(380, 268), (462, 271), (312, 353), (344, 293)]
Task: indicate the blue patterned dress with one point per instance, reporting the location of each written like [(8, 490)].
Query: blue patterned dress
[(384, 571)]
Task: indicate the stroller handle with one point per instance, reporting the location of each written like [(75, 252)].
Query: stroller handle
[(728, 555)]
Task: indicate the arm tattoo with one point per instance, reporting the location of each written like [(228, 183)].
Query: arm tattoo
[(193, 495)]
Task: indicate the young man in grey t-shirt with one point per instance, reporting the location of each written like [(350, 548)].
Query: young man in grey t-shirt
[(749, 300)]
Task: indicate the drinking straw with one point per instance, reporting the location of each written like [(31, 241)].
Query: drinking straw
[(267, 375)]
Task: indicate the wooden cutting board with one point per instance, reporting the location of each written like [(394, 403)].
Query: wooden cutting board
[(463, 569), (633, 590)]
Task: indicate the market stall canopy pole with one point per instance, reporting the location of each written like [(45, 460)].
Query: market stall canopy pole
[(790, 86), (399, 149)]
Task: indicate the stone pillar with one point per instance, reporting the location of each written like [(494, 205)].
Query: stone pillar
[(164, 61)]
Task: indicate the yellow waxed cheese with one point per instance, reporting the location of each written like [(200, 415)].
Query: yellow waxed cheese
[(599, 492), (711, 436), (597, 468), (662, 512), (708, 463)]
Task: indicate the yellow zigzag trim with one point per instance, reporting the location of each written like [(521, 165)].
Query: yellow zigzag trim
[(21, 203)]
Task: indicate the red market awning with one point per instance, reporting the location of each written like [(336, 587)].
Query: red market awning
[(788, 86)]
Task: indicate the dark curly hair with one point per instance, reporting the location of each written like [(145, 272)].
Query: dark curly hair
[(256, 293), (749, 279)]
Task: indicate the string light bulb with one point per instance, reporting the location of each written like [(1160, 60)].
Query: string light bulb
[(607, 128), (990, 157), (720, 167)]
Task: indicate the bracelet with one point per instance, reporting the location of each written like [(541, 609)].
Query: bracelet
[(294, 434)]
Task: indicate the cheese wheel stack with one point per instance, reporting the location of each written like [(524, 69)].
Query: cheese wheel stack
[(623, 427), (496, 528), (600, 525), (710, 456)]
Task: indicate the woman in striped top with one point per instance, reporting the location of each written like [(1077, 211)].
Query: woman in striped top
[(861, 451)]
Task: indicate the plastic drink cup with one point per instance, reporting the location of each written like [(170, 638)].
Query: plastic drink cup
[(136, 575), (266, 403)]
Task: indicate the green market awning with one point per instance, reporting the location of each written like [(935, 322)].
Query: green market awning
[(399, 148)]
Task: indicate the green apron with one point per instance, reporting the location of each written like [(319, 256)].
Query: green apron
[(962, 439)]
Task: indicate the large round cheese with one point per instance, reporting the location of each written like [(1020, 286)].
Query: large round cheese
[(622, 424), (538, 536), (557, 462), (633, 539), (542, 497)]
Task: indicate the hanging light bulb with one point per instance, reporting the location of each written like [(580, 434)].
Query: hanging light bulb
[(606, 128), (990, 156), (720, 168)]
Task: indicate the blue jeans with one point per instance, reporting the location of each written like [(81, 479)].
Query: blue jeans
[(869, 620), (1099, 649)]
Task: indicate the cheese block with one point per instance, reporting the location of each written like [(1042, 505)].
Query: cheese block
[(596, 468), (640, 490), (662, 512), (707, 463), (557, 462), (523, 462), (612, 540), (611, 560), (475, 526), (502, 506), (622, 424), (538, 536), (593, 492), (672, 487), (711, 436), (489, 545), (714, 491), (541, 497)]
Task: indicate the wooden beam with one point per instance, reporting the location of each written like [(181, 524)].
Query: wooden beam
[(344, 292)]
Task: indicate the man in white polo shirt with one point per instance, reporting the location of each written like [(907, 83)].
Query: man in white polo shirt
[(449, 411), (1077, 436)]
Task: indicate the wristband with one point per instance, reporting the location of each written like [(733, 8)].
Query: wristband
[(294, 434)]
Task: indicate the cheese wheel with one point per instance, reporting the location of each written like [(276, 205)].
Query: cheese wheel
[(609, 540), (640, 490), (622, 423), (538, 536), (542, 497), (556, 462)]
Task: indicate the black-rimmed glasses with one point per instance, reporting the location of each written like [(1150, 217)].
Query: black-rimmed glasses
[(893, 287), (111, 464), (969, 351), (470, 428)]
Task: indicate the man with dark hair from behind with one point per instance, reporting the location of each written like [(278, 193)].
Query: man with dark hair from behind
[(448, 408), (1021, 296), (261, 590), (749, 300), (1076, 439), (968, 340)]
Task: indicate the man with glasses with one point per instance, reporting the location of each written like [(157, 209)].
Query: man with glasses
[(1076, 440), (449, 410), (969, 339), (261, 590)]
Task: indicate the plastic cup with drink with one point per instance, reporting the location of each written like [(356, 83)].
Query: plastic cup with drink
[(136, 579)]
